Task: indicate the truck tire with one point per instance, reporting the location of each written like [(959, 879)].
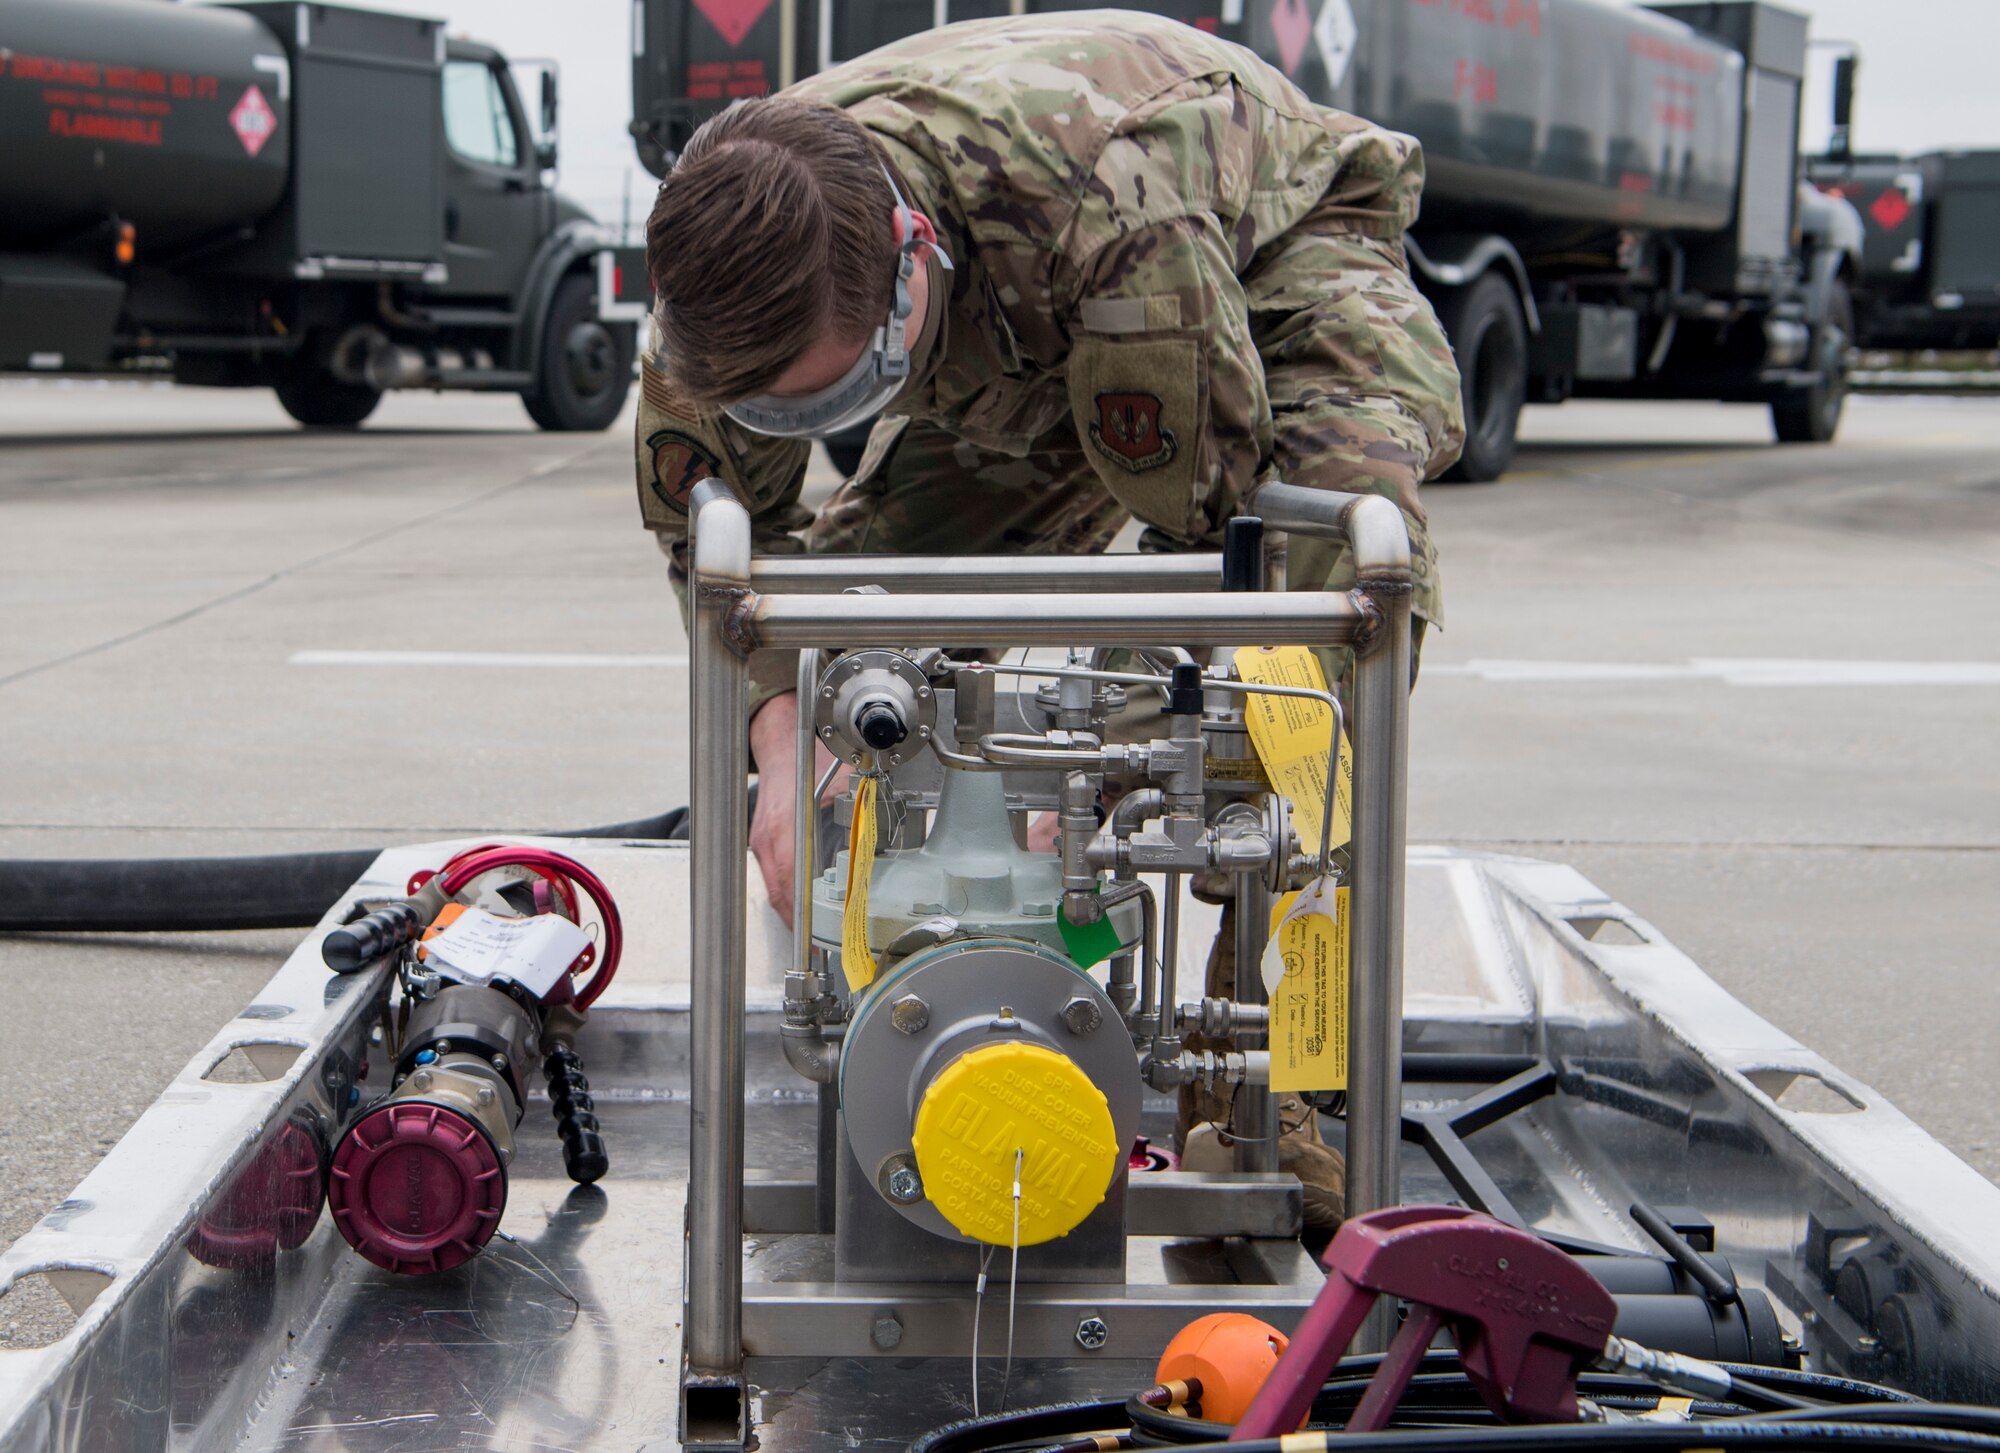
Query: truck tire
[(1812, 415), (320, 401), (1489, 337), (584, 367)]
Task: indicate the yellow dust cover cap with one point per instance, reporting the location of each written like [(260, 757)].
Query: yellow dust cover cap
[(996, 1099)]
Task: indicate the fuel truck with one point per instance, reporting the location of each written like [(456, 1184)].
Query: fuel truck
[(323, 201), (1929, 276), (1613, 205)]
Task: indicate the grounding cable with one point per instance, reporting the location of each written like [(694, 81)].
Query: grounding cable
[(1013, 1270), (978, 1298)]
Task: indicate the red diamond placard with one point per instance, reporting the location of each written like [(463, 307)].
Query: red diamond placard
[(253, 120), (1292, 25), (733, 18), (1890, 210)]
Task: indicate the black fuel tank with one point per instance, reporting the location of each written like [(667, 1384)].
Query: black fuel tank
[(1562, 112), (174, 118)]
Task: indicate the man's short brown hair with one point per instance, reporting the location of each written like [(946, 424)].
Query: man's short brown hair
[(772, 231)]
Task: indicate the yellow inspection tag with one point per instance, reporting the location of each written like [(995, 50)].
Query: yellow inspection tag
[(1291, 734), (1305, 977), (856, 962)]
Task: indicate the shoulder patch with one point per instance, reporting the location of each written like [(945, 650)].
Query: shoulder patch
[(680, 462), (1129, 432)]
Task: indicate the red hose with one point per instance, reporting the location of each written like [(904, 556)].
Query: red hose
[(565, 876)]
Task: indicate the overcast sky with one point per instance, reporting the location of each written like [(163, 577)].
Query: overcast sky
[(1926, 77)]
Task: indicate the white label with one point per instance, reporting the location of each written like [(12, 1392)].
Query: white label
[(479, 947)]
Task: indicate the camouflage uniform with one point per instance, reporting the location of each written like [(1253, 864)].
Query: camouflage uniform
[(1176, 278)]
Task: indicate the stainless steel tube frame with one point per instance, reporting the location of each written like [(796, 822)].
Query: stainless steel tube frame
[(729, 620), (719, 830), (935, 574), (1379, 539), (1256, 1120), (805, 826), (1023, 619)]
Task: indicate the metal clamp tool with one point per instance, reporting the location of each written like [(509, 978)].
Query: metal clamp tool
[(1527, 1318)]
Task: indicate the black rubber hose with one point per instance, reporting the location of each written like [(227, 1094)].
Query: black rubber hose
[(279, 890)]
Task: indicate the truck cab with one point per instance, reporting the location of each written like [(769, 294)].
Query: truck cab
[(326, 201)]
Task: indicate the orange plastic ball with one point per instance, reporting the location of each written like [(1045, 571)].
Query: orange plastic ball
[(1231, 1353)]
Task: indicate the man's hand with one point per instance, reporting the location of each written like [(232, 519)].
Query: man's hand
[(774, 733)]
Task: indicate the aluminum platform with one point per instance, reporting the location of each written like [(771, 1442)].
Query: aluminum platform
[(1619, 1072)]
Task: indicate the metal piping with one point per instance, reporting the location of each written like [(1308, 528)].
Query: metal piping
[(1172, 618), (719, 830), (807, 1049), (1379, 539), (1256, 1118), (806, 815), (955, 574), (1128, 815)]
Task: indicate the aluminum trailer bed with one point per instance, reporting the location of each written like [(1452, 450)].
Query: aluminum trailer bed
[(1619, 1072)]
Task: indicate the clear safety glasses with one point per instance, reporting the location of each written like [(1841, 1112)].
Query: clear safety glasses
[(878, 374)]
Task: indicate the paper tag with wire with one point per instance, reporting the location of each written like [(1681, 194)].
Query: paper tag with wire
[(1305, 973), (857, 962), (1293, 736)]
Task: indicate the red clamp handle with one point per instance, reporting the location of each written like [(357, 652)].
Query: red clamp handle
[(1526, 1317)]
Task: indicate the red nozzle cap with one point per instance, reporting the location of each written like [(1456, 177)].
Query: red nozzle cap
[(416, 1188)]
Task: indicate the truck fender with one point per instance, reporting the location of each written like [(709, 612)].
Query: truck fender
[(571, 243), (1831, 230), (1456, 260)]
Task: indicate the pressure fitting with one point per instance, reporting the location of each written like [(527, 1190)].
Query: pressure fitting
[(1168, 1072), (1076, 815), (1223, 1018), (874, 702)]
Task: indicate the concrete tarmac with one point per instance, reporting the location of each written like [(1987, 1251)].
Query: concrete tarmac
[(1701, 668)]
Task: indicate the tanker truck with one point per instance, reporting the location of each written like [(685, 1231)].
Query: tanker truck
[(324, 201), (1929, 277), (1612, 209)]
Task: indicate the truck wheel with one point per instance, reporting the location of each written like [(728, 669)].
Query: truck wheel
[(1489, 337), (584, 369), (1812, 415), (320, 401)]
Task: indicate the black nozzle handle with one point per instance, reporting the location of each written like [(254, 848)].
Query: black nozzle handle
[(1243, 554), (584, 1155), (354, 946), (1184, 696)]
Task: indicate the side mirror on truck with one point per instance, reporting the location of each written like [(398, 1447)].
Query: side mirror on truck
[(1841, 142)]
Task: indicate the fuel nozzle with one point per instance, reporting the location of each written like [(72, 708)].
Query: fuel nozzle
[(419, 1181)]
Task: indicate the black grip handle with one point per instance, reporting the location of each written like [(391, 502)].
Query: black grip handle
[(584, 1155), (1243, 554), (1184, 696), (1715, 1286), (354, 946)]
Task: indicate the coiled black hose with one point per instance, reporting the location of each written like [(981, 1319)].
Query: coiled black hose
[(279, 890), (1440, 1411)]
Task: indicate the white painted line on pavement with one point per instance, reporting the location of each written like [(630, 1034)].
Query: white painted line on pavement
[(1731, 671), (508, 659)]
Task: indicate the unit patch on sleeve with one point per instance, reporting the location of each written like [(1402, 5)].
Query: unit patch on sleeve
[(679, 464), (1128, 431)]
